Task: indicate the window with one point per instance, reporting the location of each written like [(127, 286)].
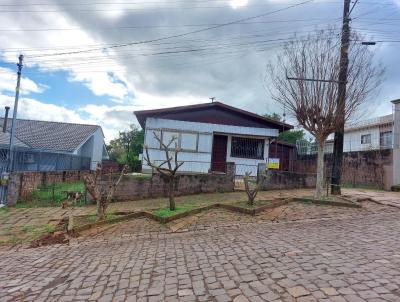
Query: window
[(247, 148), (366, 139), (167, 136), (386, 139), (189, 141)]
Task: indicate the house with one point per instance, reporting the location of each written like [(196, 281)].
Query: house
[(49, 146), (210, 135), (370, 134)]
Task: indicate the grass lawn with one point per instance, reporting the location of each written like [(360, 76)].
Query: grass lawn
[(26, 234), (166, 212), (51, 195)]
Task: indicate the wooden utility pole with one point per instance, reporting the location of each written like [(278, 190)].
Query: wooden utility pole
[(341, 101), (15, 110)]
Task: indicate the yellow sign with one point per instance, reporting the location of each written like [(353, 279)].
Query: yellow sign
[(273, 163)]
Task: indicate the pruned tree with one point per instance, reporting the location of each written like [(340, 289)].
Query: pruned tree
[(102, 192), (311, 94), (169, 167), (251, 187)]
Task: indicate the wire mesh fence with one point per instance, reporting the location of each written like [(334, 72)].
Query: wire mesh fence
[(29, 160)]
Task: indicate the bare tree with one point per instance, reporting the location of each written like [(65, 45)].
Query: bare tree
[(169, 167), (314, 64), (102, 193), (251, 187)]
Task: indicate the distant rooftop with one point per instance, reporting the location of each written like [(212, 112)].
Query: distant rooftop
[(51, 136), (378, 121)]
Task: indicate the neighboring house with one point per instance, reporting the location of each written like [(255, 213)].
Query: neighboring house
[(370, 134), (210, 135), (367, 135), (49, 146)]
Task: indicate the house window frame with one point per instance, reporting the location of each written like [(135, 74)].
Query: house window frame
[(260, 140), (180, 132), (389, 133), (367, 141)]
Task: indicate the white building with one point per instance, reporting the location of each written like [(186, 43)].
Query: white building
[(210, 135), (370, 134)]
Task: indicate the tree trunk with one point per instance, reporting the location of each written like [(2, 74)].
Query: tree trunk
[(100, 211), (251, 198), (320, 170), (171, 194)]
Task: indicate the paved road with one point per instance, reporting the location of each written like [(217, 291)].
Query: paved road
[(349, 259)]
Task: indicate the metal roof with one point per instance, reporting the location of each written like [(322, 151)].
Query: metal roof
[(51, 136)]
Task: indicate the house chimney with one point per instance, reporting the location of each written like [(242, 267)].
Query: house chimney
[(6, 119)]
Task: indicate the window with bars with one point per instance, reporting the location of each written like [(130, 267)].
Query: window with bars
[(247, 147)]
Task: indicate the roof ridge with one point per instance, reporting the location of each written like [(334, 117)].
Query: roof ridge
[(56, 122)]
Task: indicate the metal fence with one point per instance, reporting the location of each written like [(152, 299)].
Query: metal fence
[(28, 160)]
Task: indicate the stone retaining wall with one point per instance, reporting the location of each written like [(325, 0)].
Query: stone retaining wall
[(135, 188), (288, 180)]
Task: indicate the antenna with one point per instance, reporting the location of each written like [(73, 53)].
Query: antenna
[(212, 99)]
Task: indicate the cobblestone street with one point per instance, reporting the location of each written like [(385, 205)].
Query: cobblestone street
[(348, 258)]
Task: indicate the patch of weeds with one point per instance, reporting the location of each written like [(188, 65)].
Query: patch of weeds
[(51, 195), (166, 212), (93, 218), (4, 210), (365, 187)]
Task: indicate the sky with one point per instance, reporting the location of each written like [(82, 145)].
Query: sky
[(97, 61)]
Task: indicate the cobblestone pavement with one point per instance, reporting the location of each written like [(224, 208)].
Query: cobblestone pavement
[(353, 256)]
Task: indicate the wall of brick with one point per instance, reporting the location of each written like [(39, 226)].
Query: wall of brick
[(365, 168), (134, 188), (23, 183)]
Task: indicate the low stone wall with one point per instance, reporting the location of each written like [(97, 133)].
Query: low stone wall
[(156, 185), (22, 184), (288, 180)]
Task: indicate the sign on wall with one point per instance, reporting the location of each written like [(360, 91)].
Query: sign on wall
[(273, 163)]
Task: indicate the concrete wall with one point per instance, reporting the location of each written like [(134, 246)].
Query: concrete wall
[(396, 143), (367, 168), (288, 180), (134, 188)]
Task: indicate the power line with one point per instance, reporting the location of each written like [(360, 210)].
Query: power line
[(183, 34)]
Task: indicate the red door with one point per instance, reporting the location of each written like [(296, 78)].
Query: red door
[(218, 155)]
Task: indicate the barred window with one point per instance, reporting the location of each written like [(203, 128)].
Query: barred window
[(386, 139), (247, 148)]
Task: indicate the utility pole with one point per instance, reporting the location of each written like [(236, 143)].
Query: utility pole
[(14, 120), (341, 101)]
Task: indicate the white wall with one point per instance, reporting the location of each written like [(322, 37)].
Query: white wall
[(93, 148), (352, 140), (396, 143), (200, 161)]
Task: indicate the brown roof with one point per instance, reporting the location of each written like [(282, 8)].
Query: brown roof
[(212, 113)]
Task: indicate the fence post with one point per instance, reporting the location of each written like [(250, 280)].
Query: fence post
[(261, 174)]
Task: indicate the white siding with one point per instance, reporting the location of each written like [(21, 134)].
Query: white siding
[(200, 160), (93, 148)]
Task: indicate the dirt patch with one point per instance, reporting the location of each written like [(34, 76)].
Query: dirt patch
[(50, 239)]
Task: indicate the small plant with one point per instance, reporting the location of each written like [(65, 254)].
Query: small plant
[(102, 193), (252, 187), (171, 167)]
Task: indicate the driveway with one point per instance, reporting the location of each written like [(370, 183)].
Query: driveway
[(353, 257)]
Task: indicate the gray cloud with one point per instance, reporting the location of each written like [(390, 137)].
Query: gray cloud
[(229, 63)]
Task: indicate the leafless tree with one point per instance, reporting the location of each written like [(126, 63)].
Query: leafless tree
[(169, 167), (314, 61), (102, 192), (251, 187)]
